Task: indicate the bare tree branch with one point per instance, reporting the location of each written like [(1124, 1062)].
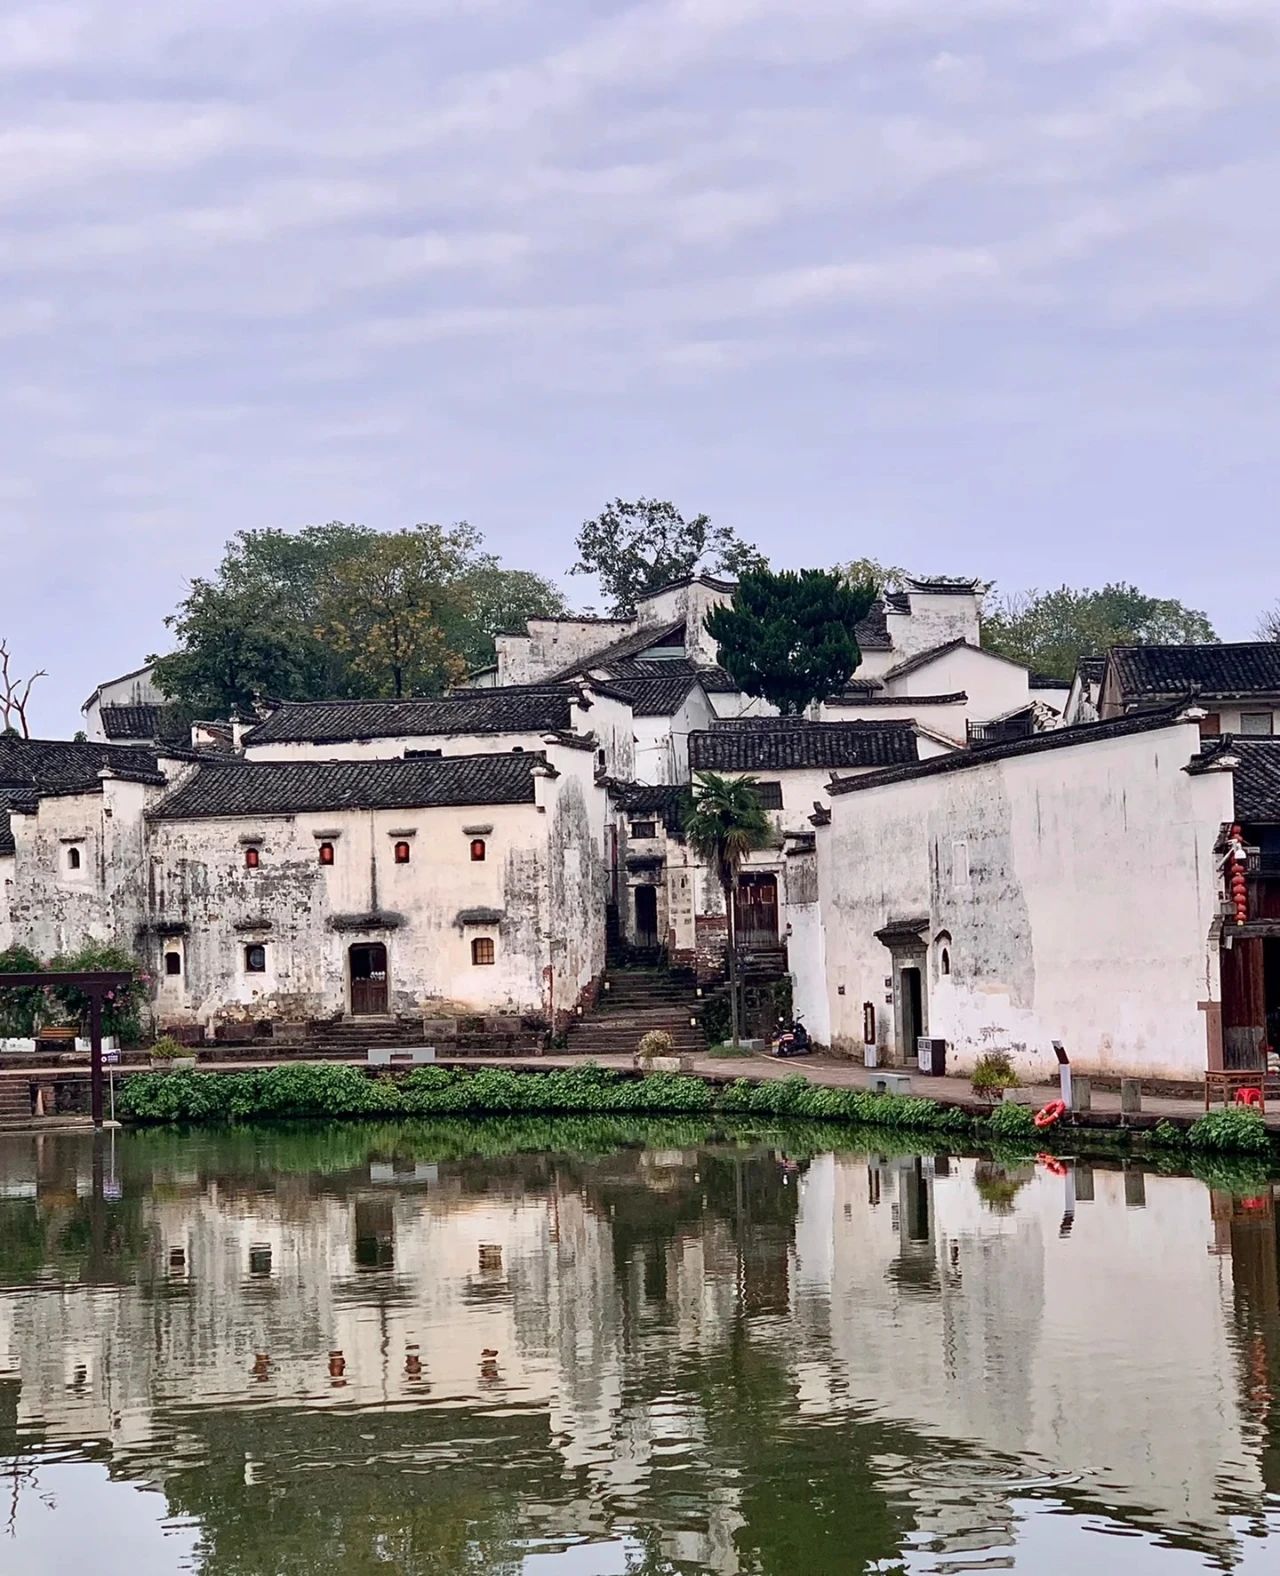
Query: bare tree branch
[(15, 694)]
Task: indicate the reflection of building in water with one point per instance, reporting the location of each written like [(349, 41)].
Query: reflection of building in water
[(973, 1318), (646, 1336)]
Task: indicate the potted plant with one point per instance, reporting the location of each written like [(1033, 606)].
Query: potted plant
[(656, 1052), (168, 1056), (992, 1075)]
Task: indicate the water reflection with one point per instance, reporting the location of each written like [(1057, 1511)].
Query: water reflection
[(587, 1348)]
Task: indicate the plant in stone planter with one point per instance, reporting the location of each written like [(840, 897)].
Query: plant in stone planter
[(167, 1055), (656, 1043), (992, 1075)]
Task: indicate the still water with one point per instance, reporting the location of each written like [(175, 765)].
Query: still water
[(590, 1349)]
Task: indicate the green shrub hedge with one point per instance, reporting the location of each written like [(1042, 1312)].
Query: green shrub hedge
[(312, 1090)]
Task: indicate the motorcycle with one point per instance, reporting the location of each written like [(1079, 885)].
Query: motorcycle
[(792, 1039)]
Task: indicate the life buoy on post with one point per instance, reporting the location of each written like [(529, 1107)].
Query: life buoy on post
[(1047, 1115)]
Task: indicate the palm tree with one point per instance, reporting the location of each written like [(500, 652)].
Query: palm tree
[(724, 822)]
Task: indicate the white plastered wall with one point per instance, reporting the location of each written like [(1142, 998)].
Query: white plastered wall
[(1085, 916)]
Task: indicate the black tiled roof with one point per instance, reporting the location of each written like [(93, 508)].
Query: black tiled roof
[(1057, 739), (1047, 681), (862, 698), (872, 632), (223, 789), (663, 801), (792, 744), (66, 765), (714, 679), (1091, 669), (657, 696), (944, 585), (532, 708), (646, 639), (1256, 778), (145, 722), (1148, 672)]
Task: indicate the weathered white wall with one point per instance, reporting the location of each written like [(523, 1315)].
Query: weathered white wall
[(395, 748), (134, 689), (736, 704), (542, 877), (609, 719), (1085, 916), (6, 896), (949, 721), (552, 644), (662, 743), (933, 621), (56, 909), (993, 685)]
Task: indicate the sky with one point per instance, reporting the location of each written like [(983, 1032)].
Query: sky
[(974, 286)]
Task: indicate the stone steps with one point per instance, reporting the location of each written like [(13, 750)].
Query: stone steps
[(15, 1100)]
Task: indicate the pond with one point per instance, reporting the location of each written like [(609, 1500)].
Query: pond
[(590, 1348)]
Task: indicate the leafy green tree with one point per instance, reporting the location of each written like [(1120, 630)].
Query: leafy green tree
[(272, 621), (390, 608), (20, 1008), (251, 630), (498, 599), (633, 548), (723, 823), (788, 636), (1049, 631)]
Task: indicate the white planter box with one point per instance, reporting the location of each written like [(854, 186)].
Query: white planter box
[(17, 1045), (109, 1043)]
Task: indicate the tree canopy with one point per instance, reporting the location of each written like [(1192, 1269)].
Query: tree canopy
[(633, 548), (788, 636), (1049, 631), (343, 610)]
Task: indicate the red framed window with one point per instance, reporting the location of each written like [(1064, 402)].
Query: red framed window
[(326, 853), (478, 850), (402, 853), (252, 858)]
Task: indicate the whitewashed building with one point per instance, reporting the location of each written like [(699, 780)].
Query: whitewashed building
[(1066, 887)]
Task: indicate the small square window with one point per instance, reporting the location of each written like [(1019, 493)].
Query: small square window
[(252, 858), (74, 860), (402, 853), (644, 829), (1210, 725), (172, 963), (1256, 723), (482, 950), (255, 959), (478, 850), (769, 795), (326, 853)]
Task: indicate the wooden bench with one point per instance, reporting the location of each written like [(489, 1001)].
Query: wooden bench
[(56, 1039)]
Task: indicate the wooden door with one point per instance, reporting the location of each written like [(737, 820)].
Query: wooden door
[(757, 910), (368, 978)]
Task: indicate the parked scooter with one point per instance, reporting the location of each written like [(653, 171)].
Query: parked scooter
[(792, 1039)]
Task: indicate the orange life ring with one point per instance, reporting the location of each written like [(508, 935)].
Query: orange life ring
[(1250, 1097), (1047, 1115), (1052, 1165)]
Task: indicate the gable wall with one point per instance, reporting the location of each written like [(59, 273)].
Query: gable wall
[(1085, 917)]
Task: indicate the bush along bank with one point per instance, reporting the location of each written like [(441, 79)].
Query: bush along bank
[(306, 1090)]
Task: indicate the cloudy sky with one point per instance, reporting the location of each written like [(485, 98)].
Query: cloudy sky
[(973, 285)]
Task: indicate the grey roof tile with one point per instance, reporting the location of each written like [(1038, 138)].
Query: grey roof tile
[(224, 788), (533, 708), (68, 765), (1237, 670), (791, 744)]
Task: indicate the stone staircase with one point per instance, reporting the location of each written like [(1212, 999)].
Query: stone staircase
[(15, 1100), (637, 999)]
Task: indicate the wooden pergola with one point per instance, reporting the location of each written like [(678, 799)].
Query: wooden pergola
[(97, 986)]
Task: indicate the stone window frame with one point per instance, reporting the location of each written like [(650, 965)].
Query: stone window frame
[(250, 965), (172, 955)]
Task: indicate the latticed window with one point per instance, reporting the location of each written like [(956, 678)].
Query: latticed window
[(482, 950), (770, 795)]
